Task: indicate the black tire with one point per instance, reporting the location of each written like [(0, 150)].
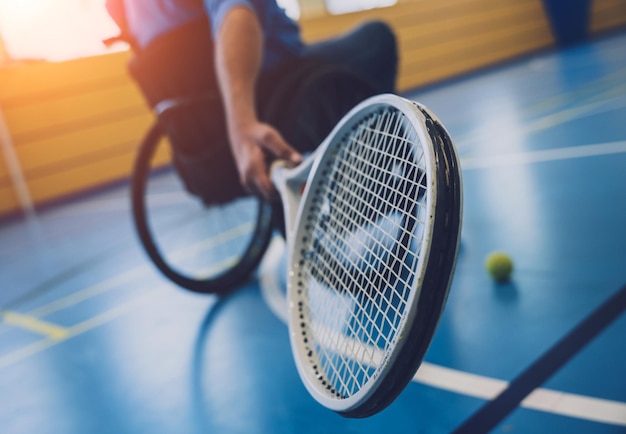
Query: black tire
[(220, 281)]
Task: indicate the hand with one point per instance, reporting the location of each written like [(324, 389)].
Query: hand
[(251, 145)]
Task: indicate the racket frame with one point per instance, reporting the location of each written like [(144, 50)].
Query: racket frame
[(296, 201)]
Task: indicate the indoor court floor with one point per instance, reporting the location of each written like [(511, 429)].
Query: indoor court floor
[(94, 340)]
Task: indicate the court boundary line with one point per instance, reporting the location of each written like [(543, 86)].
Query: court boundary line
[(496, 410), (544, 155)]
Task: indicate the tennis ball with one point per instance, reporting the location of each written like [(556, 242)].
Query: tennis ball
[(499, 266)]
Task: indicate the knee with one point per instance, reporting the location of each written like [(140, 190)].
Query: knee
[(381, 36), (383, 48)]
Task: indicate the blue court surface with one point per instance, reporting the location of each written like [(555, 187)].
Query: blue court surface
[(94, 340)]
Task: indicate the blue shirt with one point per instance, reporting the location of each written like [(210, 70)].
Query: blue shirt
[(147, 19)]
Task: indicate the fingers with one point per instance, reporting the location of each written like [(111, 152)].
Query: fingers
[(257, 181), (251, 149), (265, 140), (274, 143), (252, 162), (252, 169)]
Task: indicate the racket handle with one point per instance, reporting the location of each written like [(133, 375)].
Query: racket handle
[(290, 181), (280, 172)]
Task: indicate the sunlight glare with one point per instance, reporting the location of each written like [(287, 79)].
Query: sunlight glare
[(54, 30), (23, 10)]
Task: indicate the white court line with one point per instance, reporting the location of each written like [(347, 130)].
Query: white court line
[(465, 383), (551, 120), (486, 162), (616, 102)]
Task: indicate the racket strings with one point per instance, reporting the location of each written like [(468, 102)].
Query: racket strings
[(354, 192), (362, 249), (386, 282), (377, 196), (350, 269), (356, 255)]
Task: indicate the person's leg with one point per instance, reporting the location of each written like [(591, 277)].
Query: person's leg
[(369, 51)]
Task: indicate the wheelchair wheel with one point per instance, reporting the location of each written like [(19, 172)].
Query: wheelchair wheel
[(202, 248)]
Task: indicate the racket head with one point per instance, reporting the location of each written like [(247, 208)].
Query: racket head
[(372, 254)]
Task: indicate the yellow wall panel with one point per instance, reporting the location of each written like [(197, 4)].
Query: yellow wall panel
[(32, 81), (432, 72), (88, 175), (51, 185), (433, 62), (607, 15), (163, 154), (3, 171), (438, 40), (458, 27), (77, 124), (48, 117), (8, 200), (75, 145)]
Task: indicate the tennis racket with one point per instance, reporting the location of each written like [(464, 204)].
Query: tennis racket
[(373, 220)]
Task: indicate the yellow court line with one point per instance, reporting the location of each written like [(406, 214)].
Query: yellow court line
[(56, 334), (111, 314), (113, 282), (33, 324), (218, 267), (213, 241), (76, 330), (89, 292)]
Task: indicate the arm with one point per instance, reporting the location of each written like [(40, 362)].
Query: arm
[(239, 50)]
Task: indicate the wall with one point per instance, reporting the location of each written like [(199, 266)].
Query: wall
[(75, 125), (442, 39), (607, 15)]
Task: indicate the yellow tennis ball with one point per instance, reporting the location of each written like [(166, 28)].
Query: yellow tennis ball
[(499, 266)]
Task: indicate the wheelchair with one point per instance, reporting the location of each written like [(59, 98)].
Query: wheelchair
[(193, 219)]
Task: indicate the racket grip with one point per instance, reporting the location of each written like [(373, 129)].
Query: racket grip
[(289, 180), (280, 176)]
